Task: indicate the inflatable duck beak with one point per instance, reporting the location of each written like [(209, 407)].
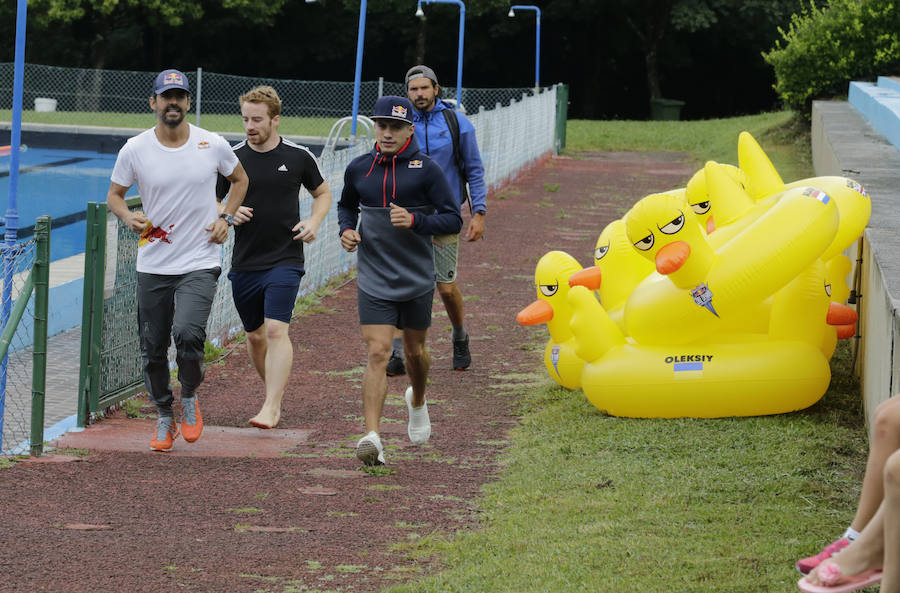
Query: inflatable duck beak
[(843, 318), (536, 313), (672, 256), (588, 277), (710, 225)]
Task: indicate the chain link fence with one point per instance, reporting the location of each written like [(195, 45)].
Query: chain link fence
[(119, 98), (514, 128), (16, 369)]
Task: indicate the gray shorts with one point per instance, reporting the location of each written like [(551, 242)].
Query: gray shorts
[(446, 257)]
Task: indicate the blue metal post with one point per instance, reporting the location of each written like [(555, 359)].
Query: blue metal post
[(537, 40), (12, 213), (462, 35), (360, 36)]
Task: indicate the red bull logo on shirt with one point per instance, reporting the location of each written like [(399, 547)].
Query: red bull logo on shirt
[(415, 164), (203, 145), (152, 234)]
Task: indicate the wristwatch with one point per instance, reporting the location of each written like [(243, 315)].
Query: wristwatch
[(228, 218)]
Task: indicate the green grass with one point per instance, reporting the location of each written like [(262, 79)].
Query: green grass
[(783, 135), (289, 126), (590, 502)]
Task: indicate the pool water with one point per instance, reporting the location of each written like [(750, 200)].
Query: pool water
[(59, 183)]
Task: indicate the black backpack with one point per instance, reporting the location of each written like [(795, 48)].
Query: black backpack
[(453, 126)]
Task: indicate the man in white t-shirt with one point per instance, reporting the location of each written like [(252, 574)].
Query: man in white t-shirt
[(181, 227)]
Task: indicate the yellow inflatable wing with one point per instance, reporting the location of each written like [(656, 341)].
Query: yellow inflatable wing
[(764, 178)]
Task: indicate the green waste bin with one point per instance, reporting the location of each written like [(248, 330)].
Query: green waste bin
[(665, 109)]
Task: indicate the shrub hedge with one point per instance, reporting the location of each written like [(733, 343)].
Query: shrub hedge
[(824, 48)]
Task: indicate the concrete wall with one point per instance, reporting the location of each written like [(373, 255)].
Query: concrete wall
[(845, 143)]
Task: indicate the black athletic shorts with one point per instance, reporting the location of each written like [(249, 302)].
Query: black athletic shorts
[(414, 314)]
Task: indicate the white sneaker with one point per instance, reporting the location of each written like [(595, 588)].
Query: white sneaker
[(419, 428), (369, 449)]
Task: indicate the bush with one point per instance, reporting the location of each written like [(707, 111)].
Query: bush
[(825, 48)]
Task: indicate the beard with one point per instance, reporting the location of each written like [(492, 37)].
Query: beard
[(172, 123)]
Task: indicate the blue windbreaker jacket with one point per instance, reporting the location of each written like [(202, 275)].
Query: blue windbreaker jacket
[(435, 141)]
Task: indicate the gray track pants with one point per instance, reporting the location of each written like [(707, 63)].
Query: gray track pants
[(174, 307)]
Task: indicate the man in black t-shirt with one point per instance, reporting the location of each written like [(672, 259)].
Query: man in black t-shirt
[(267, 263)]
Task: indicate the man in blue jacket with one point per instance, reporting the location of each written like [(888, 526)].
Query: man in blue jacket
[(394, 200), (463, 164)]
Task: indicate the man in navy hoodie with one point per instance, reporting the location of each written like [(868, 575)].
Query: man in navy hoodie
[(395, 199)]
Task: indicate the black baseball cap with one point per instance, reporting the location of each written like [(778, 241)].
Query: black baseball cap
[(393, 107)]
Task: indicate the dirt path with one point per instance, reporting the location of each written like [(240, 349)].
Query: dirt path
[(310, 519)]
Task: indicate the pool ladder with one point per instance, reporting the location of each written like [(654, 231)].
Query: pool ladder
[(334, 136)]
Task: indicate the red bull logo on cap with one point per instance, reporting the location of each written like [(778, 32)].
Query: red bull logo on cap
[(173, 78), (398, 111)]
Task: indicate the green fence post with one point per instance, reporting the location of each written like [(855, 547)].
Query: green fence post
[(562, 116), (92, 311), (39, 360)]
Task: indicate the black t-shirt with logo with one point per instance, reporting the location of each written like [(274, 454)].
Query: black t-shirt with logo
[(276, 178)]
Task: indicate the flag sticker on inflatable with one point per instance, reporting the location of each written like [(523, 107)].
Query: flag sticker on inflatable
[(817, 194), (857, 187), (688, 370), (554, 358)]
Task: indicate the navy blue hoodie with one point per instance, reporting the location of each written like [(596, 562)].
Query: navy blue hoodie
[(397, 264)]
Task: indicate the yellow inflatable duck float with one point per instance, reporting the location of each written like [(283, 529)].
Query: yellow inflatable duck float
[(852, 200), (617, 269), (712, 206), (696, 287), (725, 375), (551, 278)]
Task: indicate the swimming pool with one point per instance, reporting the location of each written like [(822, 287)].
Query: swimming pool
[(59, 183)]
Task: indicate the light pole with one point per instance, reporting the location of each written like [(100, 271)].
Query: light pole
[(360, 36), (537, 39), (462, 34)]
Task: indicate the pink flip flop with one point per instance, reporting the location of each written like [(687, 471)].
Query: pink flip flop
[(835, 582)]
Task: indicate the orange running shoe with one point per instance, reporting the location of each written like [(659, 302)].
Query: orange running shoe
[(166, 432), (192, 422)]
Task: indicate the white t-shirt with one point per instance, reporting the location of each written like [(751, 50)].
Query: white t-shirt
[(178, 194)]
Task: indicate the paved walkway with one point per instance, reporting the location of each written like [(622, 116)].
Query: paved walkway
[(308, 518)]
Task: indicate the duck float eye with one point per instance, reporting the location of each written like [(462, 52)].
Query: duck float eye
[(674, 226), (701, 207), (601, 251), (828, 288), (646, 243), (548, 290)]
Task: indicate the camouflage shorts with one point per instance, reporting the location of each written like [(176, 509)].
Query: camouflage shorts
[(446, 257)]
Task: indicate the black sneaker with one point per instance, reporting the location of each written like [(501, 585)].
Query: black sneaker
[(395, 366), (461, 357)]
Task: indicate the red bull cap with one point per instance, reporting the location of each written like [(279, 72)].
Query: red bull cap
[(171, 79)]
